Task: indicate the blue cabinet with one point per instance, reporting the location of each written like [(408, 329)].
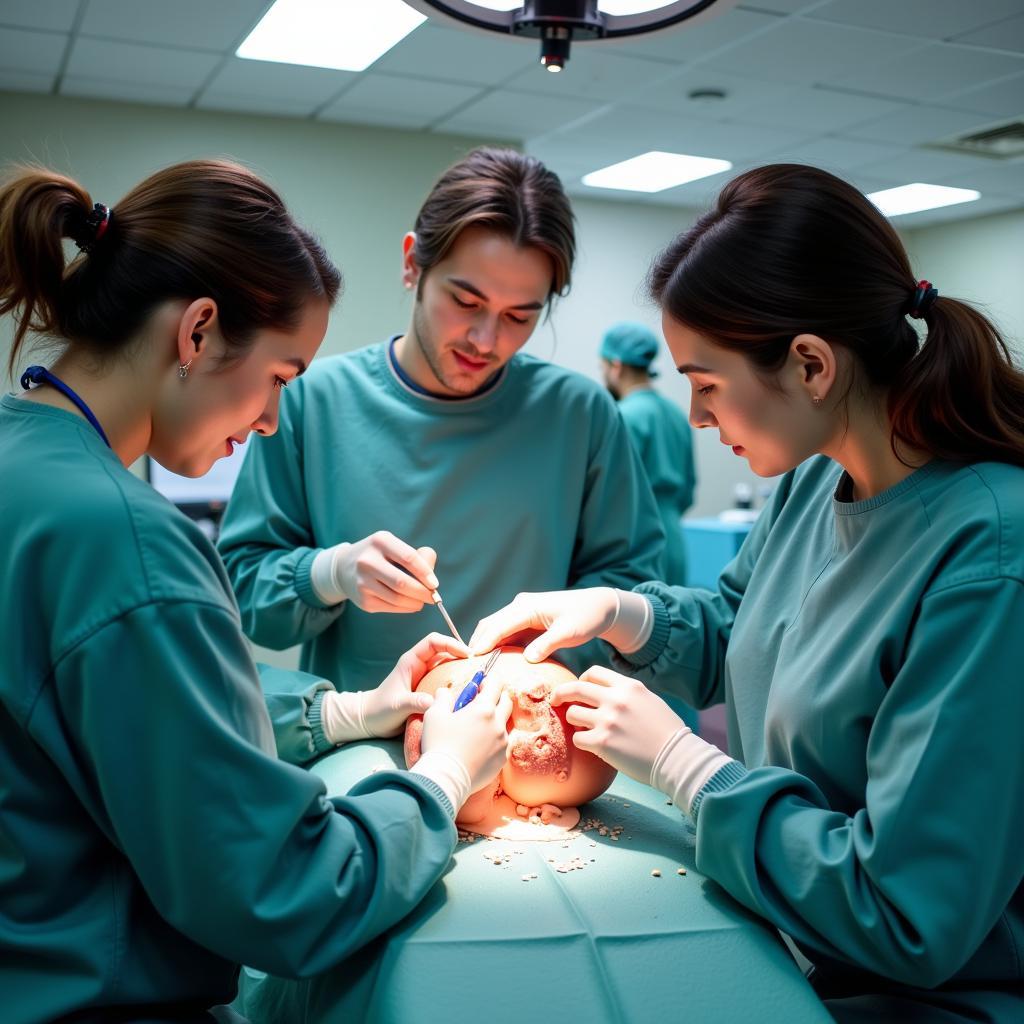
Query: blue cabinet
[(710, 546)]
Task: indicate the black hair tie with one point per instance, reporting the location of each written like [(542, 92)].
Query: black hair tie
[(96, 224), (924, 298)]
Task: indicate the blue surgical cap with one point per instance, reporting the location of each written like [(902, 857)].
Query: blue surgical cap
[(630, 343)]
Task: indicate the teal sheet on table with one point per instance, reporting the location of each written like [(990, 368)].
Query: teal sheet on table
[(605, 943)]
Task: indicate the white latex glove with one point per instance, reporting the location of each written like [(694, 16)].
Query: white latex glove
[(379, 573), (635, 731), (569, 618), (383, 711), (464, 750)]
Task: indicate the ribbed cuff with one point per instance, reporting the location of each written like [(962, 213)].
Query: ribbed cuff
[(321, 578), (632, 623), (303, 580), (341, 716), (321, 744), (448, 772), (725, 778), (684, 765), (658, 637)]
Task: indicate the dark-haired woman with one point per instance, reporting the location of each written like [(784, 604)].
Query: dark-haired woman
[(868, 640), (150, 838)]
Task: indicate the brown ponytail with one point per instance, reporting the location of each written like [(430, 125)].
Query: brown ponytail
[(960, 397), (206, 227), (790, 249)]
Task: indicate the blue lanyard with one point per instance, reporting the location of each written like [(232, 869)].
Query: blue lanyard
[(40, 375)]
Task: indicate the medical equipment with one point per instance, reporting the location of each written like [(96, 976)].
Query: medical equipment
[(472, 688), (436, 596)]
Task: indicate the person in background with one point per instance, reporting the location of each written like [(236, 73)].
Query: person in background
[(444, 442), (867, 639), (151, 840), (658, 430)]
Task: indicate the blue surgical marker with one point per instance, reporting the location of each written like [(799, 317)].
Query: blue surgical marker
[(472, 688)]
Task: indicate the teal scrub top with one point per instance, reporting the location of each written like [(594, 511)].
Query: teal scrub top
[(870, 656), (661, 436), (150, 838), (531, 485)]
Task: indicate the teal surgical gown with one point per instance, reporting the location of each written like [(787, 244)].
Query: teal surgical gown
[(871, 655), (661, 436), (530, 486), (150, 839)]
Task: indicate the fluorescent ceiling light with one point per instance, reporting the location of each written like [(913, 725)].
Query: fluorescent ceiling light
[(339, 34), (918, 196), (654, 172)]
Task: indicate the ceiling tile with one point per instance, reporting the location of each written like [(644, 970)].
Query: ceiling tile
[(932, 19), (593, 74), (1003, 35), (1004, 98), (931, 72), (820, 109), (248, 103), (26, 81), (398, 101), (193, 24), (144, 65), (917, 125), (781, 6), (55, 15), (515, 115), (694, 42), (927, 165), (1000, 177), (983, 207), (37, 52), (126, 91), (299, 86), (741, 93), (838, 154), (459, 55), (627, 131), (802, 51)]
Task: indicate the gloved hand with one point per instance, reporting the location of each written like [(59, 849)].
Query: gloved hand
[(349, 716), (619, 719), (636, 732), (570, 618), (379, 573), (475, 737)]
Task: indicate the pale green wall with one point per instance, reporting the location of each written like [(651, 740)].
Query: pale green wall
[(981, 260), (358, 188)]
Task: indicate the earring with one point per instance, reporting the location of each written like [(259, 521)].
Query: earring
[(183, 369), (817, 400)]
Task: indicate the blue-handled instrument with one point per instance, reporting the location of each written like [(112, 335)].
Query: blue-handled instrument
[(472, 688)]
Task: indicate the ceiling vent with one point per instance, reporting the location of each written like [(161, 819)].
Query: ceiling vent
[(999, 142)]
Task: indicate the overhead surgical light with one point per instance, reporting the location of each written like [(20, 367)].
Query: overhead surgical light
[(557, 23)]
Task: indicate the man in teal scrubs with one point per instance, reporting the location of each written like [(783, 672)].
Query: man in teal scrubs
[(658, 429), (447, 438)]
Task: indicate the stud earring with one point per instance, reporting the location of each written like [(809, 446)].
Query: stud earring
[(183, 369), (817, 400)]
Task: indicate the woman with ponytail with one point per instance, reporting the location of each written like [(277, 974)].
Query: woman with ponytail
[(868, 639), (151, 838)]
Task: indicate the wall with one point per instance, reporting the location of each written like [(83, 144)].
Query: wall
[(981, 260)]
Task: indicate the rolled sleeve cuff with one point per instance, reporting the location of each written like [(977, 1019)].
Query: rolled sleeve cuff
[(725, 778), (658, 638), (316, 726), (304, 580)]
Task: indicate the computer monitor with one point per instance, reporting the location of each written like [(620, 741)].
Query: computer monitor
[(201, 498)]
